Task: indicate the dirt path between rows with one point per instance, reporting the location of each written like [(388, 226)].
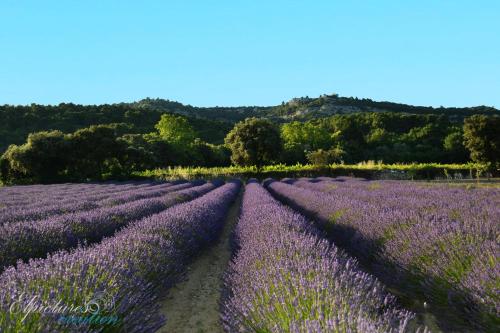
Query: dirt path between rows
[(193, 304)]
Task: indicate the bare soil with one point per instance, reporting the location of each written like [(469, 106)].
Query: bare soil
[(193, 304)]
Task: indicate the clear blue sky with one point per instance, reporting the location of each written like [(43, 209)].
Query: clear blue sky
[(209, 53)]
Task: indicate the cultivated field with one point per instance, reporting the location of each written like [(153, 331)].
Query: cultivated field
[(294, 255)]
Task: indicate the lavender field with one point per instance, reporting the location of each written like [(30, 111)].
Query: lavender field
[(292, 255)]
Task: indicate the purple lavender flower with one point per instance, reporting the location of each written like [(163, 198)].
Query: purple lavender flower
[(285, 278), (434, 242), (37, 238), (130, 268)]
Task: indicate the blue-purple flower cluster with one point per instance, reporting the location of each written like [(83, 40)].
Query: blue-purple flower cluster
[(130, 268), (54, 203), (435, 242), (44, 194), (148, 193), (286, 278), (33, 194), (37, 238)]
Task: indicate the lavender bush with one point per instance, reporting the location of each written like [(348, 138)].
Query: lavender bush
[(129, 269), (437, 242), (35, 239), (37, 194), (285, 278), (51, 206)]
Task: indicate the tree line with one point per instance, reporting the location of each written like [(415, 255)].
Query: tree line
[(387, 137), (17, 122), (211, 123), (112, 151), (107, 151)]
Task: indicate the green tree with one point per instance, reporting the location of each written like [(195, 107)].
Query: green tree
[(42, 159), (254, 142), (299, 138), (208, 155), (482, 139), (139, 153), (308, 136), (322, 157), (96, 152), (454, 146), (175, 129), (378, 136)]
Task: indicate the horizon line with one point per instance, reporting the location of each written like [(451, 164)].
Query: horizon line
[(250, 106)]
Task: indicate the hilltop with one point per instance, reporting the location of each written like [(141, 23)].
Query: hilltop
[(211, 123), (305, 108)]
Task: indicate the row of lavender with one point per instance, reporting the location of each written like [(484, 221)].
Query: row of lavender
[(37, 238), (437, 242), (44, 205), (285, 278), (84, 200), (117, 280), (23, 195)]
